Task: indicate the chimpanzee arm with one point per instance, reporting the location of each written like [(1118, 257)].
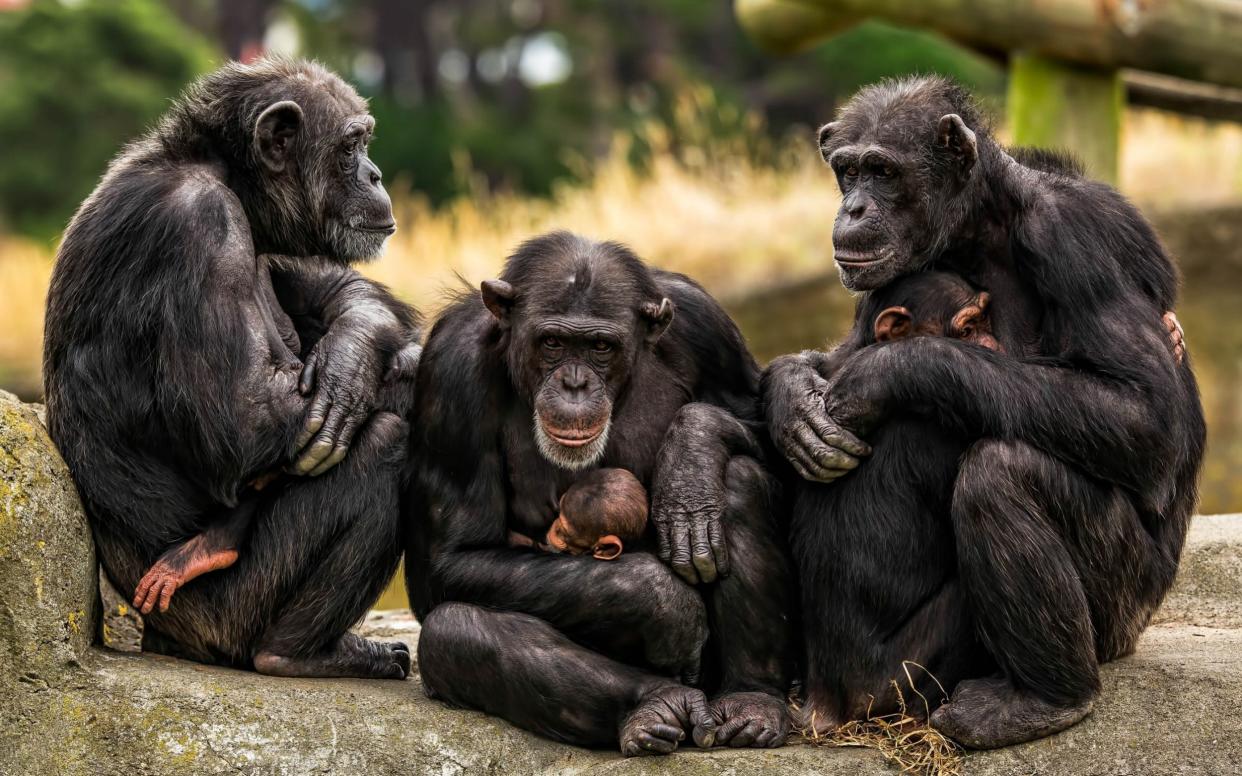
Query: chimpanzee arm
[(231, 404), (793, 390), (355, 335), (1093, 421)]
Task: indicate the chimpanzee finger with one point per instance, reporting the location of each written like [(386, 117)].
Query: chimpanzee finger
[(316, 415), (803, 456), (306, 381), (659, 739), (166, 594), (343, 441), (325, 442), (768, 738), (720, 548), (827, 458), (701, 552), (664, 535), (746, 736), (837, 437), (703, 725), (140, 594), (730, 728), (681, 554), (808, 468)]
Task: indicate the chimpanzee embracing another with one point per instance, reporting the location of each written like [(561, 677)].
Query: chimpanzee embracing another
[(184, 369), (1069, 509), (580, 357), (891, 570)]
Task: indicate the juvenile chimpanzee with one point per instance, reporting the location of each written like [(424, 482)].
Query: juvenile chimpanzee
[(875, 551), (598, 515), (1070, 508), (182, 365), (572, 361)]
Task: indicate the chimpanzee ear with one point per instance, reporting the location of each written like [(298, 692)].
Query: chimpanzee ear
[(499, 297), (607, 548), (894, 323), (824, 135), (658, 317), (274, 132), (953, 134)]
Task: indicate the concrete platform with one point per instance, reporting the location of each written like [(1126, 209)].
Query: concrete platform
[(70, 707)]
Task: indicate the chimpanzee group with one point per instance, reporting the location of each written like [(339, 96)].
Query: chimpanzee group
[(258, 435)]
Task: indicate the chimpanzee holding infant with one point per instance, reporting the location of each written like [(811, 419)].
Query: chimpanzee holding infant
[(1048, 487), (236, 424)]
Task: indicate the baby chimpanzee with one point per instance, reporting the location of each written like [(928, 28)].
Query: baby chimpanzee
[(599, 513), (875, 555)]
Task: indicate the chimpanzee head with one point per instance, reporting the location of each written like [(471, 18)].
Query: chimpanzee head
[(904, 153), (576, 317), (930, 304), (294, 137)]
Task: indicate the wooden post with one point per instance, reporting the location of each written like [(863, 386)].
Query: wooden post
[(1055, 105)]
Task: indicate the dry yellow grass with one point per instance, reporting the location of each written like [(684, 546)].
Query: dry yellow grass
[(707, 211)]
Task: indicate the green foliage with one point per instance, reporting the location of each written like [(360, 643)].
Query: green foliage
[(874, 50), (77, 82)]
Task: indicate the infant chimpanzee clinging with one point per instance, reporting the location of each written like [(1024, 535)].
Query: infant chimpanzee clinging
[(932, 304), (599, 513)]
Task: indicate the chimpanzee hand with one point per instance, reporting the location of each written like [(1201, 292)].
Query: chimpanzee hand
[(817, 445), (751, 719), (688, 494), (344, 371)]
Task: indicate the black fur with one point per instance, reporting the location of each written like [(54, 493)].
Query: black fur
[(173, 354), (1071, 505), (577, 649)]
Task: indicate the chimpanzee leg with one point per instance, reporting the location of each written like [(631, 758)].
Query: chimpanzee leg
[(749, 613), (319, 553), (520, 668), (1047, 558)]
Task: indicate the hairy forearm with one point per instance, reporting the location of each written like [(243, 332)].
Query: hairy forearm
[(1086, 419)]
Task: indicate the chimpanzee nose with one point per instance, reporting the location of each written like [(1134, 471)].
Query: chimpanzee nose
[(370, 173), (574, 378), (856, 209)]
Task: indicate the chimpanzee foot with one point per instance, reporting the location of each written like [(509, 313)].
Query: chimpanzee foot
[(990, 713), (660, 720), (751, 719), (351, 657), (817, 720)]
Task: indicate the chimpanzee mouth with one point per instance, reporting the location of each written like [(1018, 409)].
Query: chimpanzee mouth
[(388, 228), (853, 258), (571, 449)]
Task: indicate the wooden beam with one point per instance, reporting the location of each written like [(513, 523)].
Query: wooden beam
[(1054, 105), (1199, 40)]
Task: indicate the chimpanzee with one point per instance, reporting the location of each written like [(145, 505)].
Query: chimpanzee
[(183, 364), (574, 360), (1069, 510), (880, 597), (598, 515)]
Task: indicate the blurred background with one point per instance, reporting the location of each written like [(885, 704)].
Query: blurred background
[(661, 123)]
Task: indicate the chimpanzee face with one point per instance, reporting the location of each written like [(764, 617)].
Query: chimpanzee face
[(357, 209), (898, 174), (317, 174), (575, 333)]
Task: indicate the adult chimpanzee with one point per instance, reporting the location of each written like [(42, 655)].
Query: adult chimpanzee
[(873, 551), (174, 370), (575, 360), (1071, 506)]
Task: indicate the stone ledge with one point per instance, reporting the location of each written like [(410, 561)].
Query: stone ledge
[(67, 707)]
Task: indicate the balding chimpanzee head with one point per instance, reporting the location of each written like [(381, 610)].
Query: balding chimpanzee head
[(904, 153), (294, 137), (576, 317)]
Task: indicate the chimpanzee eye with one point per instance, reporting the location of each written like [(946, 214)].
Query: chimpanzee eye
[(552, 343), (851, 171), (601, 347), (885, 171)]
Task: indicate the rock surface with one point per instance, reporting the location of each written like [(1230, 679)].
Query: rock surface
[(67, 707)]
